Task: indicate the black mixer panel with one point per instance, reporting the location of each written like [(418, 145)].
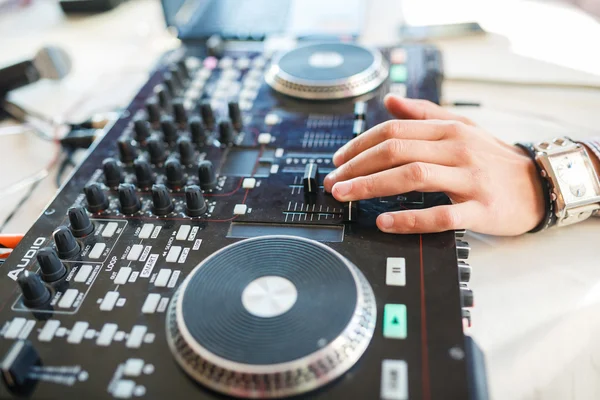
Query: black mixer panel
[(195, 254)]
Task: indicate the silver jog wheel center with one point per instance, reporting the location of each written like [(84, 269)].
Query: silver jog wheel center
[(269, 296)]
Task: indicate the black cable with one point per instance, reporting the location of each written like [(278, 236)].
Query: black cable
[(68, 161), (20, 204)]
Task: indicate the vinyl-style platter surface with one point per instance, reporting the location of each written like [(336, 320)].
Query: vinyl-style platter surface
[(292, 315), (327, 71)]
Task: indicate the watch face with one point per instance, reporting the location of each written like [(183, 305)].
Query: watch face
[(575, 177)]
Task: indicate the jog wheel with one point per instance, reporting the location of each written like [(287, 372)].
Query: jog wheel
[(271, 316), (327, 71)]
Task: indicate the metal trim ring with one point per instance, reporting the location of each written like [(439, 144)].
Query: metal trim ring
[(275, 380), (353, 86)]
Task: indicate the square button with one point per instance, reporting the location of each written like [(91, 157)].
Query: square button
[(133, 367), (394, 380), (394, 321), (398, 73), (240, 209), (264, 138), (398, 89), (398, 56), (249, 183), (395, 271)]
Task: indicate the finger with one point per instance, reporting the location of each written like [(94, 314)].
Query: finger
[(417, 176), (389, 154), (394, 129), (435, 219), (402, 107)]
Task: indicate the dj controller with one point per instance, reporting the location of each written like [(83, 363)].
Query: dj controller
[(195, 254)]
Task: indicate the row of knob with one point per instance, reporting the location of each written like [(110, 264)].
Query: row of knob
[(129, 202), (52, 270), (145, 177), (467, 298), (176, 107), (198, 126), (169, 102)]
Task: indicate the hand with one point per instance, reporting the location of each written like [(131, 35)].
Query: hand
[(494, 187)]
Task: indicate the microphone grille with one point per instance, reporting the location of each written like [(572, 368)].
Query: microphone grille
[(52, 62)]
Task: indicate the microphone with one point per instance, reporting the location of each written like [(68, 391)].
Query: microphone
[(49, 63)]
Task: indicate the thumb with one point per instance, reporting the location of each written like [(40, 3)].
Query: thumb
[(404, 108)]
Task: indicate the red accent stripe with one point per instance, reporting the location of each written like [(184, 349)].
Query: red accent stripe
[(424, 348)]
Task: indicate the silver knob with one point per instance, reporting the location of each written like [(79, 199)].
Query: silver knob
[(462, 249), (464, 272), (460, 233)]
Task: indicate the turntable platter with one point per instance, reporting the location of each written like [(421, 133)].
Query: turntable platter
[(327, 71), (258, 318)]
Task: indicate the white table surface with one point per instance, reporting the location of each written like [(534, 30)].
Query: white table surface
[(537, 296)]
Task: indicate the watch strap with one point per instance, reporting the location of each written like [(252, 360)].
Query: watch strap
[(549, 216)]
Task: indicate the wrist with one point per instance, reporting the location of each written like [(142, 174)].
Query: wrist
[(542, 204)]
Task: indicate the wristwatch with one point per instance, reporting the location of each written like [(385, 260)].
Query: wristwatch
[(572, 181)]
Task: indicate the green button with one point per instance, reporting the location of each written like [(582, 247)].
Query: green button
[(398, 73), (394, 321)]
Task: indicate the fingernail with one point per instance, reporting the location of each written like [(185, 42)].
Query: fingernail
[(386, 221), (343, 188), (336, 157), (328, 180)]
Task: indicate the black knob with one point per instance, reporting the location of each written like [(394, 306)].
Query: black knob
[(178, 77), (130, 204), (153, 111), (113, 175), (156, 150), (462, 249), (206, 173), (169, 128), (17, 368), (226, 133), (80, 222), (194, 201), (186, 151), (183, 70), (35, 293), (171, 84), (52, 268), (126, 151), (143, 173), (174, 172), (161, 200), (164, 99), (464, 272), (466, 297), (179, 111), (65, 242), (197, 131), (141, 127), (96, 198), (208, 115), (215, 46), (235, 115)]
